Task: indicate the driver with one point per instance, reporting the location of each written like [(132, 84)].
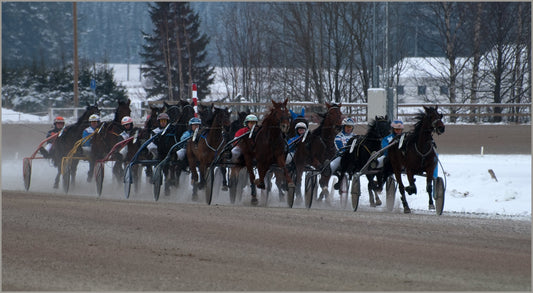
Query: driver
[(249, 123)]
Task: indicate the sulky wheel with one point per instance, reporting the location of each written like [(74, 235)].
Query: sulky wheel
[(356, 192), (310, 189), (157, 180), (128, 179), (244, 180), (99, 177), (210, 180), (343, 191), (26, 172), (439, 195), (66, 176), (390, 188)]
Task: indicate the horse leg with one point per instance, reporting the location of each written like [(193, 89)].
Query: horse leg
[(373, 191), (225, 185), (73, 172), (397, 174), (429, 189), (262, 169), (324, 181), (91, 170), (56, 181), (412, 187)]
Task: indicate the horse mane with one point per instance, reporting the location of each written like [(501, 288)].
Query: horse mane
[(415, 133)]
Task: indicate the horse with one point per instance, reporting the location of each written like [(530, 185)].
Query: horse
[(266, 147), (319, 146), (352, 160), (202, 151), (277, 172), (106, 137), (417, 154), (66, 141), (180, 115)]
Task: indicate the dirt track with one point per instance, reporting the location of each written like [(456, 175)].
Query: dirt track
[(63, 242), (67, 242)]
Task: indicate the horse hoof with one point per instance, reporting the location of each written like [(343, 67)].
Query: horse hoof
[(254, 201), (291, 185), (410, 189), (194, 197), (407, 211), (337, 185), (372, 204), (378, 202), (225, 188), (56, 185), (431, 207), (260, 185)]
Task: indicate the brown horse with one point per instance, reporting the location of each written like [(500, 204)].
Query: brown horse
[(202, 151), (267, 147), (417, 154), (66, 140), (319, 146), (106, 137)]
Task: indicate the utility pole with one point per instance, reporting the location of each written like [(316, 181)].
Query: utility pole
[(75, 20)]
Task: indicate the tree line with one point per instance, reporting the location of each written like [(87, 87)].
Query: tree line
[(333, 51)]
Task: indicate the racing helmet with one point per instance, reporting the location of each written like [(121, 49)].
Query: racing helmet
[(348, 122), (397, 124), (162, 116), (300, 125), (126, 120), (249, 118), (195, 121), (94, 117), (59, 119)]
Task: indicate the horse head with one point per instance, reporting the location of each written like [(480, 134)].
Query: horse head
[(381, 126), (123, 109), (173, 112), (435, 118), (334, 114), (281, 113), (221, 117)]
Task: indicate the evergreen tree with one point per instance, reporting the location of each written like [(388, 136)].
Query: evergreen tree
[(174, 55)]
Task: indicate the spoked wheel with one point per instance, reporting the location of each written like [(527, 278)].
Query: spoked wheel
[(99, 177), (66, 176), (343, 191), (356, 192), (310, 189), (128, 179), (26, 172), (390, 187), (214, 183), (157, 181), (439, 195)]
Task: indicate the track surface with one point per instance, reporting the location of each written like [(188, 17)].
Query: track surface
[(65, 242)]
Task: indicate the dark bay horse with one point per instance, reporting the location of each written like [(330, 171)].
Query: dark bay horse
[(352, 160), (416, 154), (106, 137), (266, 148), (319, 146), (202, 151), (66, 140), (179, 114)]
